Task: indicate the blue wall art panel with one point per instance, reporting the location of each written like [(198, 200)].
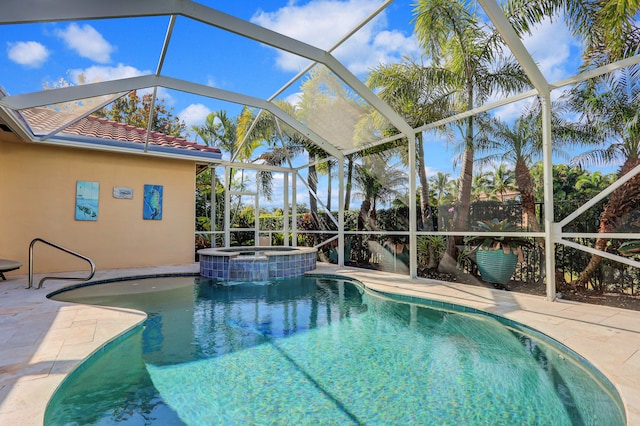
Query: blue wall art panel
[(87, 200), (152, 207)]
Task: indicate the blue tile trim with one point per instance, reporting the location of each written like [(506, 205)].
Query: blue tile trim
[(257, 269)]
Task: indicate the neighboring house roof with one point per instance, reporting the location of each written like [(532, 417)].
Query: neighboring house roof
[(91, 129), (510, 194)]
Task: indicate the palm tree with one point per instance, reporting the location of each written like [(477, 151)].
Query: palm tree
[(218, 130), (607, 27), (454, 37), (590, 184), (323, 95), (283, 142), (441, 185), (610, 104), (347, 189), (502, 181), (377, 181), (420, 94), (326, 168), (481, 186), (221, 131), (520, 143)]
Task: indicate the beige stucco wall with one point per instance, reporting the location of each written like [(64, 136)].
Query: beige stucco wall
[(37, 199)]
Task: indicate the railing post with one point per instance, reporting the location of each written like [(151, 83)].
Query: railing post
[(73, 253), (31, 263)]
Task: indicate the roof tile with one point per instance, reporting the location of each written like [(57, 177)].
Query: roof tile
[(43, 121)]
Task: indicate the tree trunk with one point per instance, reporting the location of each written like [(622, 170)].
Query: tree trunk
[(313, 187), (524, 184), (363, 218), (347, 191), (623, 200), (525, 187), (427, 217), (329, 189), (425, 206), (372, 218), (448, 263)]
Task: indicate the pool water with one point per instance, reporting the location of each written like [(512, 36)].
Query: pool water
[(318, 351)]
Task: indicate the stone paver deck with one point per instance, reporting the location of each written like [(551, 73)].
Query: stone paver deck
[(43, 340)]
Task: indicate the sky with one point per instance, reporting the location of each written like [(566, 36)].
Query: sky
[(33, 56)]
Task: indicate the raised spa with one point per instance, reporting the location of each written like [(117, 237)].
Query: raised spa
[(256, 263)]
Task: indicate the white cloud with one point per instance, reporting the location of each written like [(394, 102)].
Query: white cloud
[(431, 171), (87, 42), (294, 99), (553, 48), (28, 53), (194, 114), (371, 47), (512, 111), (99, 73), (322, 23)]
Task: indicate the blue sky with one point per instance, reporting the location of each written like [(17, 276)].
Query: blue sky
[(34, 55)]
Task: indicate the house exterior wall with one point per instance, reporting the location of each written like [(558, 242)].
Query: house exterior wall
[(37, 200)]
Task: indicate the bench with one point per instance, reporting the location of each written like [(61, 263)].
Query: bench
[(8, 265)]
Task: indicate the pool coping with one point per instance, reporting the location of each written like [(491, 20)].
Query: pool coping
[(44, 340)]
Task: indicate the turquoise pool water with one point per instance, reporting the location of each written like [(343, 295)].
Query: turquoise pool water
[(318, 351)]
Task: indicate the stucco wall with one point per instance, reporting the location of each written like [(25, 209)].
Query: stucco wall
[(37, 199)]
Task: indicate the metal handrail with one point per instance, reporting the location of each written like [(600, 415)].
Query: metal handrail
[(93, 266)]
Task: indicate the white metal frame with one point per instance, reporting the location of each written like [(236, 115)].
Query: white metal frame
[(30, 11)]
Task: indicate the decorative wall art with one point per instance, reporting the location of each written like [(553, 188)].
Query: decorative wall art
[(122, 192), (87, 194), (152, 206)]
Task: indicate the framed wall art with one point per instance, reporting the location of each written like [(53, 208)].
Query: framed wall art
[(87, 194), (152, 205), (122, 192)]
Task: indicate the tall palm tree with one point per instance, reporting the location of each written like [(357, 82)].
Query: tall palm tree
[(326, 168), (453, 36), (347, 188), (285, 143), (421, 95), (520, 143), (611, 105), (221, 131)]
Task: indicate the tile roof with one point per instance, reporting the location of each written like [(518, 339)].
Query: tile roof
[(43, 121)]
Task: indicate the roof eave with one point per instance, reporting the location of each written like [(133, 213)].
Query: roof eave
[(110, 145)]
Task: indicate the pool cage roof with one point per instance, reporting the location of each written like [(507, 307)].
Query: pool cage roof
[(158, 34)]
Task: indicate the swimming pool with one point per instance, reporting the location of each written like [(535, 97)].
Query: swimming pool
[(316, 350)]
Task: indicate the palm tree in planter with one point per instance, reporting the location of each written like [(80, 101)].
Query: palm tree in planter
[(496, 256)]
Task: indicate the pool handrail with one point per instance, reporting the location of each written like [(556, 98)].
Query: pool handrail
[(66, 250)]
